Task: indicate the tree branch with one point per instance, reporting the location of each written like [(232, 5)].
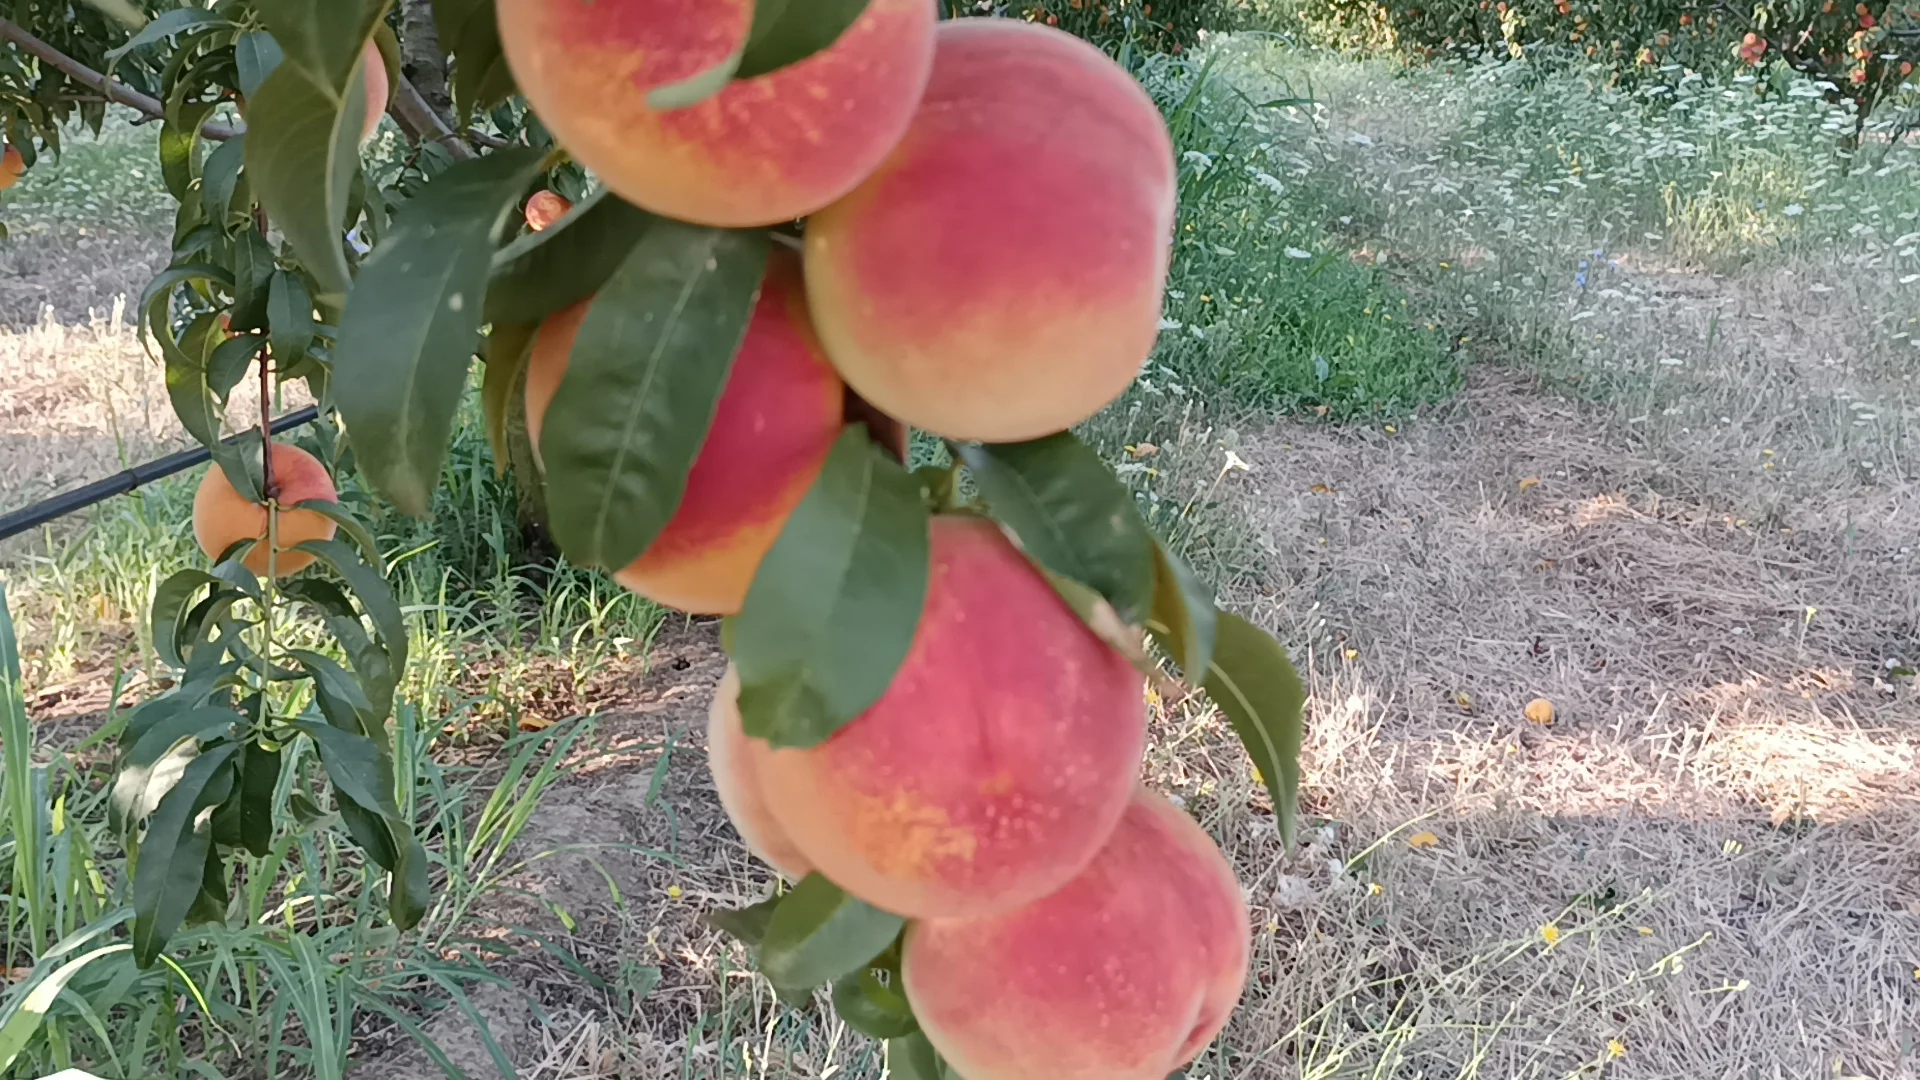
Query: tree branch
[(114, 91)]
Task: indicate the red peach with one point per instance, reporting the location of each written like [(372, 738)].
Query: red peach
[(996, 762), (778, 417), (222, 518), (1125, 973), (762, 150), (1000, 276), (730, 756)]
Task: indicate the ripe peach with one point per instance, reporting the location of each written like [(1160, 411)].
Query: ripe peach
[(777, 419), (222, 518), (379, 89), (1125, 973), (730, 756), (1000, 276), (12, 167), (761, 151), (545, 208), (996, 762)]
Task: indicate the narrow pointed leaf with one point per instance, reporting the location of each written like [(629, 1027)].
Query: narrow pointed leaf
[(259, 778), (642, 384), (356, 765), (1254, 683), (255, 56), (1184, 618), (410, 890), (303, 150), (875, 1010), (173, 856), (1071, 514), (408, 335), (221, 175), (912, 1057), (820, 933), (253, 269), (833, 609), (509, 347), (325, 37), (748, 925), (290, 314)]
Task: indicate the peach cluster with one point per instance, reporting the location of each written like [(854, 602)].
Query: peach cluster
[(989, 207)]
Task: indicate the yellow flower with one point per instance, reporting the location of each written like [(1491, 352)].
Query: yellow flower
[(1423, 840), (1374, 888), (673, 892), (1616, 1048), (1550, 934), (1645, 931)]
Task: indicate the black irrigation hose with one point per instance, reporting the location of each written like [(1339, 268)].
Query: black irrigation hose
[(120, 483)]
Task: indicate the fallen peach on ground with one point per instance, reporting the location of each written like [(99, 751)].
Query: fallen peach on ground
[(778, 417), (997, 760), (1125, 973), (761, 151), (999, 277)]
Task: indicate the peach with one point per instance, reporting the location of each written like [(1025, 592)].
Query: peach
[(761, 151), (12, 166), (996, 762), (223, 518), (1125, 973), (545, 209), (999, 277), (778, 417), (379, 89), (730, 756)]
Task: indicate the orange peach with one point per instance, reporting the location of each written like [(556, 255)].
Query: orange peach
[(1000, 276), (778, 417), (761, 151), (545, 208), (379, 89), (223, 518), (996, 762), (12, 167), (1125, 973), (730, 756)]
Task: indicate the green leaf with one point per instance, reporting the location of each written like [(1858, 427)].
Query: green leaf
[(481, 77), (170, 601), (542, 272), (255, 56), (230, 361), (1254, 684), (210, 904), (253, 269), (290, 314), (166, 25), (872, 1008), (786, 33), (338, 684), (1184, 618), (642, 384), (833, 609), (509, 347), (188, 386), (820, 933), (368, 829), (1071, 514), (356, 765), (748, 925), (23, 1019), (173, 856), (180, 145), (363, 542), (220, 176), (410, 889), (912, 1057), (259, 777), (323, 36), (302, 153), (407, 338), (376, 597)]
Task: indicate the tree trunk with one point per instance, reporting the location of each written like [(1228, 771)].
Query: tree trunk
[(421, 58)]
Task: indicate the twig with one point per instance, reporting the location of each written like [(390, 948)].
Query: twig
[(86, 76), (420, 122)]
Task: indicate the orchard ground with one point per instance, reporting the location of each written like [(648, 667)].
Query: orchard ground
[(1476, 385)]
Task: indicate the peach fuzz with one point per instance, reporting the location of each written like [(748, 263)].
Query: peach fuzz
[(997, 760), (223, 518), (1124, 974), (778, 417), (762, 150), (730, 756), (379, 89), (1000, 276)]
